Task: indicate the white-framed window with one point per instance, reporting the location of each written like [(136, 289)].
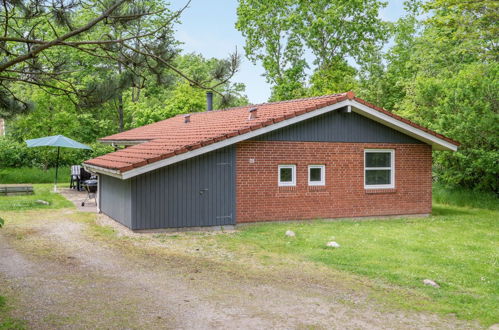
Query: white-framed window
[(316, 175), (379, 168), (286, 175)]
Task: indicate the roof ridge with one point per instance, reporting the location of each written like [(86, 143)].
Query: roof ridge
[(235, 108), (266, 103)]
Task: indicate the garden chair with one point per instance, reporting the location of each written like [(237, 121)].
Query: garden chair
[(75, 177)]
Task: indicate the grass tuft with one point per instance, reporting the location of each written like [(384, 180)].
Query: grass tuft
[(465, 197)]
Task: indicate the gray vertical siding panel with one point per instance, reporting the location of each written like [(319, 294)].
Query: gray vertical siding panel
[(338, 126), (116, 199), (170, 197)]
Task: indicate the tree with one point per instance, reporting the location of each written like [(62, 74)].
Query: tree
[(49, 43), (384, 75), (158, 100), (271, 29), (280, 32), (442, 72), (449, 82), (181, 97)]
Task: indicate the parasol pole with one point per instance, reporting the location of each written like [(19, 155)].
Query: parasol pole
[(56, 169)]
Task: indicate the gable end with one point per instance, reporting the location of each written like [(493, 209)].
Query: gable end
[(339, 126)]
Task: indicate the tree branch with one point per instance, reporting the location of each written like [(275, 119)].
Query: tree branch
[(68, 35)]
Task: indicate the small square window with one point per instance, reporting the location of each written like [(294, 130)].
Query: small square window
[(316, 175), (287, 175)]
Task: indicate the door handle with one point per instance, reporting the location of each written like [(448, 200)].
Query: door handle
[(201, 191)]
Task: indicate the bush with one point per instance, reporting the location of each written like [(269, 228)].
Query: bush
[(15, 154), (462, 105)]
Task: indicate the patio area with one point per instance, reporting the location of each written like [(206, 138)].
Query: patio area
[(77, 197)]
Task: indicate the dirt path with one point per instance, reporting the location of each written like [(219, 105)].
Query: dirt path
[(62, 278)]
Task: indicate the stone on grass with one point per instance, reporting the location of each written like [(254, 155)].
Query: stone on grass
[(332, 244), (290, 233), (41, 201), (431, 283)]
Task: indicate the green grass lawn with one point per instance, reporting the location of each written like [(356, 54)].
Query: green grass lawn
[(33, 175), (456, 247), (26, 202)]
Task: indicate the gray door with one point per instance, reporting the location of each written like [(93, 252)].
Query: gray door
[(223, 211)]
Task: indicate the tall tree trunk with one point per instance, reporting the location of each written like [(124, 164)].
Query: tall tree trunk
[(120, 105), (120, 112)]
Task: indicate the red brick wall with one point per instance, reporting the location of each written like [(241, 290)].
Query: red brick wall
[(260, 199)]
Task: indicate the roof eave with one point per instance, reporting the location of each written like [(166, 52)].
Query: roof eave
[(103, 170), (398, 125)]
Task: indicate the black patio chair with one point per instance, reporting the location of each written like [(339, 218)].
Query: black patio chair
[(84, 176)]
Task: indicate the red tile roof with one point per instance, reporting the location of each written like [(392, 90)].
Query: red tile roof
[(173, 136)]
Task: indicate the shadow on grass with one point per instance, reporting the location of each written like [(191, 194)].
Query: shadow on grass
[(443, 210)]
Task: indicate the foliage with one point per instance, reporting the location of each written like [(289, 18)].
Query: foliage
[(34, 174), (28, 202), (76, 61), (280, 32), (159, 103), (456, 247), (454, 90), (42, 40), (442, 73), (462, 105)]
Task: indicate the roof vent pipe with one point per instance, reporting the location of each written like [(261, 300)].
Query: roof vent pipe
[(252, 113), (209, 101), (187, 118)]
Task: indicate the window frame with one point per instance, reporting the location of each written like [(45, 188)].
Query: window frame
[(293, 175), (322, 182), (391, 168)]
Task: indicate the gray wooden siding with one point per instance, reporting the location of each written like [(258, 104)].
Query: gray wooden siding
[(115, 199), (338, 126), (192, 193)]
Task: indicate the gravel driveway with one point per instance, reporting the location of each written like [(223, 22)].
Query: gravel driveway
[(57, 275)]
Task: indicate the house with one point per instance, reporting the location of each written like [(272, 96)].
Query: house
[(321, 157)]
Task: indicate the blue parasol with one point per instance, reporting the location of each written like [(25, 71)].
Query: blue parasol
[(56, 141)]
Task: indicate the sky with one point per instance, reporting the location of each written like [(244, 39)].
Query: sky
[(208, 27)]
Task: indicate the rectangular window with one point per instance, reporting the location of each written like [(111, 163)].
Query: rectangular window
[(379, 169), (287, 175), (316, 175)]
